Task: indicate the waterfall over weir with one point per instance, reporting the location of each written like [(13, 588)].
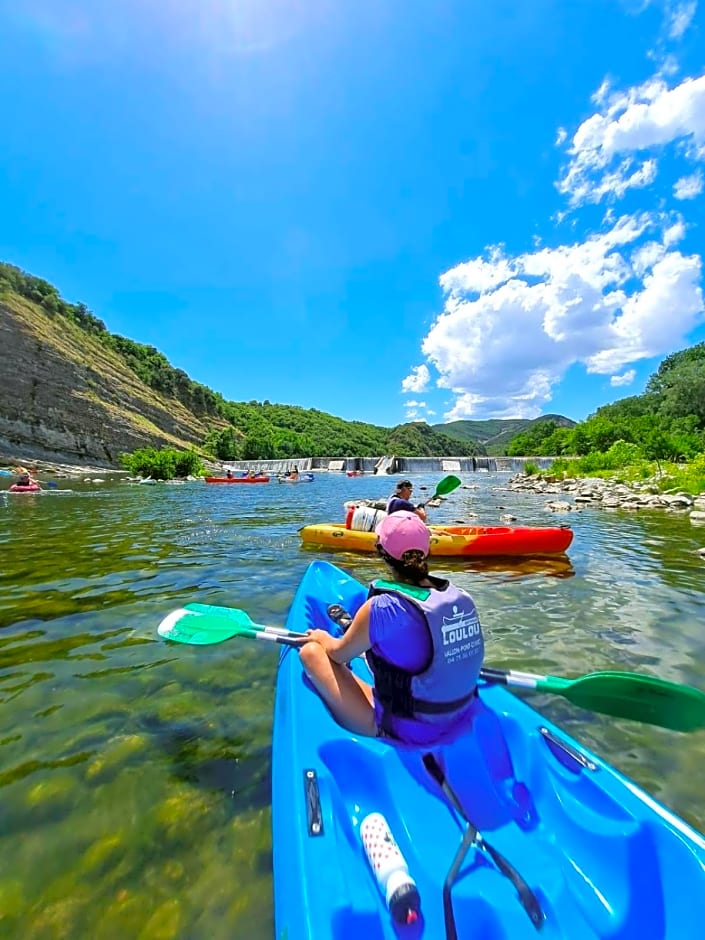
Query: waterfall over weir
[(391, 464)]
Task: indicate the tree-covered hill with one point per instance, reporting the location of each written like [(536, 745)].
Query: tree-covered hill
[(495, 434), (667, 422)]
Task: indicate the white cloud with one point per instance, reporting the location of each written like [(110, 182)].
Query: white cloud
[(418, 381), (646, 116), (674, 233), (680, 18), (414, 404), (625, 379), (511, 327), (688, 187)]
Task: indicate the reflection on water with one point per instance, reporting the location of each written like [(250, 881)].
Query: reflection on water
[(134, 776)]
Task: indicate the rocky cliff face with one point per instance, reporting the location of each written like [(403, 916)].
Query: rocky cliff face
[(65, 397)]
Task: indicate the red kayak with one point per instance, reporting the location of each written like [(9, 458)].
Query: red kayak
[(32, 488), (237, 479), (355, 473)]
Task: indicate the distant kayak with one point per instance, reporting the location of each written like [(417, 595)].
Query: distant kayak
[(601, 858), (303, 478), (237, 479), (32, 488), (355, 473), (453, 540)]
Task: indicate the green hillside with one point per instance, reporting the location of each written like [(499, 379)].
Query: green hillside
[(495, 434)]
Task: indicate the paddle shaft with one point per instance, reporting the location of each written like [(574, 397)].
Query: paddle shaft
[(648, 699), (444, 487), (273, 635)]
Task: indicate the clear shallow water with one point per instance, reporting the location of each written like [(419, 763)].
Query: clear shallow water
[(134, 775)]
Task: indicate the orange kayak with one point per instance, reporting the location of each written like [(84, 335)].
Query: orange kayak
[(453, 540), (237, 479)]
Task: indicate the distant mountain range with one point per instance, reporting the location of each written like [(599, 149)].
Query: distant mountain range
[(495, 434)]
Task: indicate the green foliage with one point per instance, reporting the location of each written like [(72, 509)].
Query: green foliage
[(264, 431), (667, 423), (225, 444), (530, 468), (691, 477), (163, 464), (258, 444), (540, 438), (419, 439), (48, 298), (495, 434), (673, 366)]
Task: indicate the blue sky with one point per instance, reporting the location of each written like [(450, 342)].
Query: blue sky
[(383, 209)]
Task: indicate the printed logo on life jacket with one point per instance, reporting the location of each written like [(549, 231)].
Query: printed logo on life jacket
[(461, 634), (460, 626)]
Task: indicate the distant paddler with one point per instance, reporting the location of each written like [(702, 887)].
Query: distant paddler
[(24, 477)]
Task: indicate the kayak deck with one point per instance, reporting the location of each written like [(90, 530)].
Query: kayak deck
[(604, 859), (453, 540)]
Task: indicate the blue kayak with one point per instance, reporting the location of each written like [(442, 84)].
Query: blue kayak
[(567, 846)]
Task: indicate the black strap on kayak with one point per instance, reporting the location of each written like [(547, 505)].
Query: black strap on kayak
[(472, 836)]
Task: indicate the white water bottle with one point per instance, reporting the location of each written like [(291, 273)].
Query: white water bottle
[(390, 868)]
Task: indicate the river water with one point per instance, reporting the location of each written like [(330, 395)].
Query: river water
[(134, 774)]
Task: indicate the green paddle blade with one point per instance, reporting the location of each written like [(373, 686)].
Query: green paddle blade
[(239, 617), (447, 485), (628, 695), (197, 628)]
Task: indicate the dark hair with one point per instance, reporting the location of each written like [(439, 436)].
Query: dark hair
[(403, 483), (413, 565)]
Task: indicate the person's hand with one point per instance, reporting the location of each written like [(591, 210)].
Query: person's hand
[(322, 637)]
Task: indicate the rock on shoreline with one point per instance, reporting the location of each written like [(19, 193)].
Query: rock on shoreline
[(59, 470), (608, 494)]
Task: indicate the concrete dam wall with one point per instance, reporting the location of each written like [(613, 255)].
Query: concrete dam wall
[(395, 465)]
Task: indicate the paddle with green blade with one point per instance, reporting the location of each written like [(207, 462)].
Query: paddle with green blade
[(621, 694), (648, 699), (444, 487)]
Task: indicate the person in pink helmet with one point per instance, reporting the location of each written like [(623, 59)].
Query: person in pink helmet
[(423, 643)]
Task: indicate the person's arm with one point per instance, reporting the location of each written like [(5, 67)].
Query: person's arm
[(407, 505), (354, 642)]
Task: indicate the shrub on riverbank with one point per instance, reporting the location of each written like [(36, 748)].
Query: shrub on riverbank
[(163, 464)]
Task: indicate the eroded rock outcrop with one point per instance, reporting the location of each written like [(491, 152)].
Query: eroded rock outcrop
[(64, 396)]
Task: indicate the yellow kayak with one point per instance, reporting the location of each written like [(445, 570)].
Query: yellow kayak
[(453, 540)]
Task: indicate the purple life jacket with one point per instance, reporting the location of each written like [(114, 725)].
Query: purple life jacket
[(447, 683)]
